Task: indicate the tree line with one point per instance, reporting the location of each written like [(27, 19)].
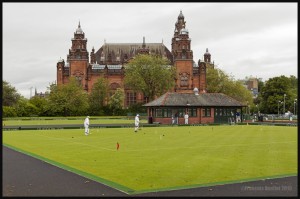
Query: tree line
[(64, 100)]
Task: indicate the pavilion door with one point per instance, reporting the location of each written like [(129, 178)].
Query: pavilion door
[(224, 115)]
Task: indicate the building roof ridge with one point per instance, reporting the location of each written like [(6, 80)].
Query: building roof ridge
[(165, 98)]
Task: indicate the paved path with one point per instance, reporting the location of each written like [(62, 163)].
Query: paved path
[(23, 175)]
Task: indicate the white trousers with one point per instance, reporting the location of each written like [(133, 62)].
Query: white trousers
[(86, 130)]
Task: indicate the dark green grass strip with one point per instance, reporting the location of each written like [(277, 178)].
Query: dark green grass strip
[(131, 191), (81, 173)]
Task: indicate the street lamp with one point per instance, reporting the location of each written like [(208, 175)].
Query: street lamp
[(295, 101), (284, 104), (278, 106)]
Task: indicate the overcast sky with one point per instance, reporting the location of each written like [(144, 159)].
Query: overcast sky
[(244, 39)]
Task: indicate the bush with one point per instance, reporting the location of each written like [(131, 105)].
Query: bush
[(137, 108), (9, 111)]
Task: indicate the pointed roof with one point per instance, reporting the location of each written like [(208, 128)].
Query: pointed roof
[(203, 99), (79, 30), (180, 16), (206, 53)]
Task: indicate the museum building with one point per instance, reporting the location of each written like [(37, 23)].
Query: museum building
[(188, 95)]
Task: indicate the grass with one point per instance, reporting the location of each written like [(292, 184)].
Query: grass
[(165, 158)]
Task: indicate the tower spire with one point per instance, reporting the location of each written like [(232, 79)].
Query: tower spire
[(144, 44), (79, 30), (180, 16)]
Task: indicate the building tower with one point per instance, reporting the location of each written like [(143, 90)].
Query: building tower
[(61, 70), (78, 58), (202, 66), (183, 57), (207, 56)]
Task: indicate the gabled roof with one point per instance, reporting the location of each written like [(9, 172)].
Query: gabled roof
[(190, 99), (131, 50)]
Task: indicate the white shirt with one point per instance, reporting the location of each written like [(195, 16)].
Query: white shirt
[(186, 116), (136, 121), (86, 122)]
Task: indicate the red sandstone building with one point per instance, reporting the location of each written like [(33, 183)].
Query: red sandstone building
[(110, 61)]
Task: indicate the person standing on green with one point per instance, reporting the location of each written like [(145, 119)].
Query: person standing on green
[(136, 122), (186, 118), (86, 125)]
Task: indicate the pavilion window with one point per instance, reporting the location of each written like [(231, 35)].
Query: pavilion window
[(206, 112), (192, 112), (158, 112)]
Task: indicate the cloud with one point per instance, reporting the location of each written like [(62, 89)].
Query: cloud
[(258, 39)]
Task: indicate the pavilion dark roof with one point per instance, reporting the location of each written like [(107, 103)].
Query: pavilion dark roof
[(184, 99)]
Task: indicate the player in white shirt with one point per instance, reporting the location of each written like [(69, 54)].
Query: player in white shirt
[(86, 125)]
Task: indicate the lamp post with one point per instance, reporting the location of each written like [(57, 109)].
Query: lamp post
[(284, 104), (295, 101), (278, 106)]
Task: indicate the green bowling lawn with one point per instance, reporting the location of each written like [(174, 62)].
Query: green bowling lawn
[(165, 158)]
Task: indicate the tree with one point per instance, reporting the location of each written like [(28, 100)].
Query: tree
[(24, 108), (10, 96), (68, 99), (219, 82), (98, 96), (149, 74), (9, 111), (116, 101), (260, 85), (215, 80), (41, 103), (274, 90)]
